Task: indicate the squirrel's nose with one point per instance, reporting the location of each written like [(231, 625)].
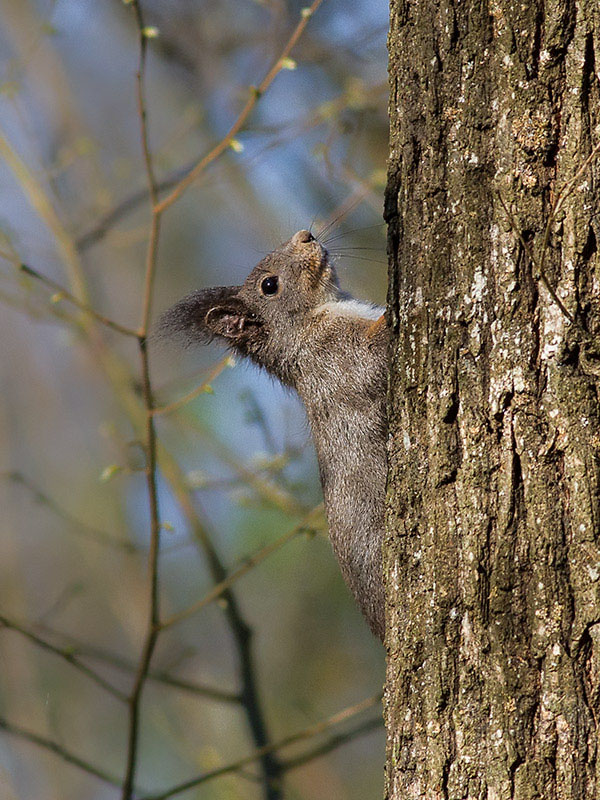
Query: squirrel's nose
[(302, 237)]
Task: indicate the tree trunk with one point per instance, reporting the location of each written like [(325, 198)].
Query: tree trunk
[(492, 556)]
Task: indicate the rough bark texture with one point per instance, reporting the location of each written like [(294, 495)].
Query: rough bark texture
[(493, 550)]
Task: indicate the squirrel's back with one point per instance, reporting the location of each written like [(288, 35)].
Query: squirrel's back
[(342, 382)]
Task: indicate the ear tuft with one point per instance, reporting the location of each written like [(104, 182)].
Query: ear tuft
[(202, 315)]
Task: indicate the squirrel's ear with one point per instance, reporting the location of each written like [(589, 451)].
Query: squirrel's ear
[(229, 321), (208, 313)]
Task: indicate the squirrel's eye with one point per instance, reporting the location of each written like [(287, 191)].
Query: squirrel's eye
[(270, 285)]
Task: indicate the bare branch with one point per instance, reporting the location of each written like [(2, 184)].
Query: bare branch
[(64, 294), (64, 653), (539, 264), (569, 186), (159, 676), (153, 628), (314, 518), (89, 531), (134, 200), (127, 206), (141, 100), (268, 490), (59, 750), (203, 387), (256, 93), (240, 630), (307, 733), (333, 743)]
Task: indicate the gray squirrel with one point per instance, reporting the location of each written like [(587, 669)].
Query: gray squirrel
[(291, 317)]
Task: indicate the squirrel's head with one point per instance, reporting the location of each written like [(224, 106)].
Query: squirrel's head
[(269, 308)]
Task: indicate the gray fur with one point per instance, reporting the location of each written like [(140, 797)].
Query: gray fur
[(328, 347)]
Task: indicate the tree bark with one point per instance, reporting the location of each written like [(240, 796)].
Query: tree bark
[(492, 556)]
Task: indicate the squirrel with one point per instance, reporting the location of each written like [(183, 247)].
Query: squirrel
[(291, 317)]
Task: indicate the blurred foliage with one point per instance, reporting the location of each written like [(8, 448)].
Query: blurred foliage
[(74, 544)]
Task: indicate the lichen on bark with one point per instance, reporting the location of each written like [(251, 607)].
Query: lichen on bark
[(492, 556)]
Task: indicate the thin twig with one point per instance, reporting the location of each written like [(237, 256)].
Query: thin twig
[(128, 205), (533, 260), (202, 388), (39, 200), (255, 93), (66, 295), (152, 187), (307, 524), (240, 630), (89, 531), (567, 189), (333, 743), (159, 676), (153, 628), (539, 264), (307, 733), (562, 195), (59, 750), (150, 272), (274, 494), (66, 654), (141, 101), (132, 201)]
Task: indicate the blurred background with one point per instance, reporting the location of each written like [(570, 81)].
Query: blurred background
[(236, 465)]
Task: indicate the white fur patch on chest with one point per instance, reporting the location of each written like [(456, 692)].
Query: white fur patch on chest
[(352, 308)]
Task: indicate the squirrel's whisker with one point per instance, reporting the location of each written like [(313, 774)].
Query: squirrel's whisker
[(355, 247), (359, 258), (341, 235), (343, 213)]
